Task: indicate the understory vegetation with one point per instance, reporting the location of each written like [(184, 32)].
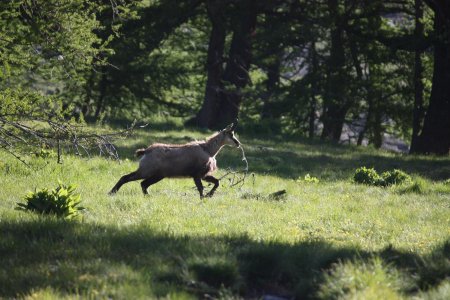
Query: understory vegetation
[(326, 237)]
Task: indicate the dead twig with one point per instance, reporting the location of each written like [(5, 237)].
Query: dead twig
[(233, 175), (16, 133)]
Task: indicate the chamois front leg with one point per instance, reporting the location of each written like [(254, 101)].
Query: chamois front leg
[(199, 185), (213, 180)]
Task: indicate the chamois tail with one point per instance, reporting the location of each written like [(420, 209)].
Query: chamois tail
[(140, 152)]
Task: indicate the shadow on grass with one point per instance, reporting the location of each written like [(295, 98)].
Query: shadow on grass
[(83, 258)]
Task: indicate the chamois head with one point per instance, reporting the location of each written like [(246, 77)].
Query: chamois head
[(229, 137)]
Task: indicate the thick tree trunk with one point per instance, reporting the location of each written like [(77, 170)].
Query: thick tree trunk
[(238, 64), (418, 76), (214, 86), (335, 106), (435, 136), (334, 122)]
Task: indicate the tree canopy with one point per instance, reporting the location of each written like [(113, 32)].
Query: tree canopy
[(331, 69)]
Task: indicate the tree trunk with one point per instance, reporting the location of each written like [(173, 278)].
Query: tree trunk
[(435, 136), (335, 106), (367, 84), (418, 76), (238, 64), (369, 122), (377, 134), (101, 96), (87, 100), (313, 100), (214, 86)]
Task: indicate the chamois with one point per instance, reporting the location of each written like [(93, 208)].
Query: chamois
[(195, 159)]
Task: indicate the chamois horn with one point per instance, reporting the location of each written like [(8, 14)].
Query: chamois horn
[(232, 126)]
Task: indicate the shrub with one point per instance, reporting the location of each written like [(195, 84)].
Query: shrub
[(395, 177), (367, 176), (62, 202), (370, 176)]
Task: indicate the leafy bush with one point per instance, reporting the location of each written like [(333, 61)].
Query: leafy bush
[(395, 177), (62, 202), (368, 176)]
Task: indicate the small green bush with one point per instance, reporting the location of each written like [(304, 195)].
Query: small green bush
[(395, 177), (367, 176), (62, 202), (370, 176)]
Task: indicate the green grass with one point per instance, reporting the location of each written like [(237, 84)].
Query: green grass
[(331, 239)]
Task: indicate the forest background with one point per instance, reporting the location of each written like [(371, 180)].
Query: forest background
[(310, 68)]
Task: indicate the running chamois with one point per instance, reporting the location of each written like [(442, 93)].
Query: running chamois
[(195, 159)]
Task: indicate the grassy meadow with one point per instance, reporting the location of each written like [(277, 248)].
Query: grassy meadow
[(326, 240)]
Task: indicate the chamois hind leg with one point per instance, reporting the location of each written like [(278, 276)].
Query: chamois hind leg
[(124, 179), (213, 180), (199, 185), (149, 181)]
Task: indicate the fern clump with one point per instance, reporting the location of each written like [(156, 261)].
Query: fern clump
[(61, 202), (370, 176), (367, 176), (395, 177)]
